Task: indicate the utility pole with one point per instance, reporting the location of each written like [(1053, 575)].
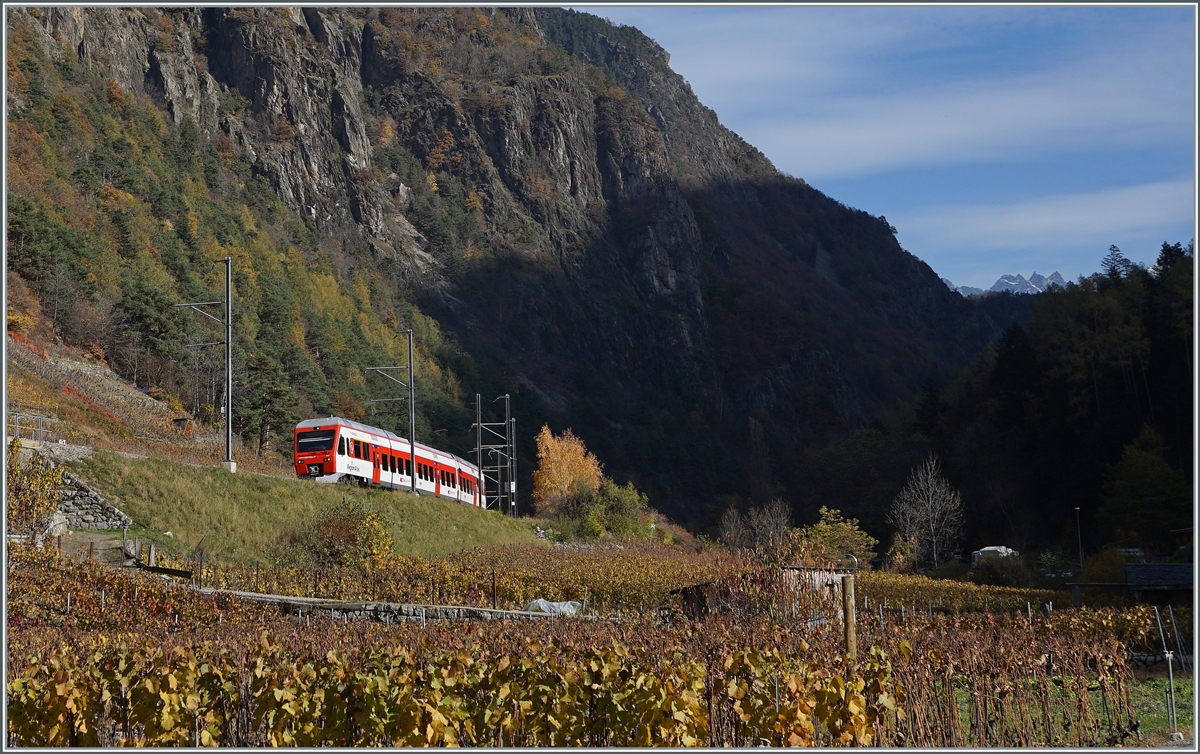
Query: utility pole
[(412, 418), (507, 454), (1079, 531), (512, 468), (412, 409), (227, 410), (229, 464), (479, 450)]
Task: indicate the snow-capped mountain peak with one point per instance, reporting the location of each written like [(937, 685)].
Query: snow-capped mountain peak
[(1036, 283)]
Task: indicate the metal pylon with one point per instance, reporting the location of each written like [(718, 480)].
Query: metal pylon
[(495, 455)]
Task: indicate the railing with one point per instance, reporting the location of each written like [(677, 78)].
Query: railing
[(34, 425)]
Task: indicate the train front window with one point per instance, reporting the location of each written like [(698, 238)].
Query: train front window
[(321, 439)]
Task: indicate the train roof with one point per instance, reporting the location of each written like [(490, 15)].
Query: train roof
[(331, 420)]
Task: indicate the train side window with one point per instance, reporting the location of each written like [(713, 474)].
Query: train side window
[(341, 446)]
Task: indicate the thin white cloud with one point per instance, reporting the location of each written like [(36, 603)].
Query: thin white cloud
[(831, 93), (1095, 219), (1099, 104)]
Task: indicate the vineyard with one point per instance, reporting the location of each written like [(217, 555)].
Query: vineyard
[(609, 579), (99, 657)]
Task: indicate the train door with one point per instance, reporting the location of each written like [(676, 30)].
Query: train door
[(375, 464)]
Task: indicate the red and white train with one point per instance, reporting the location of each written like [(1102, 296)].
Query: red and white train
[(336, 449)]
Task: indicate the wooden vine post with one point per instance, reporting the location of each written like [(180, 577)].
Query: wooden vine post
[(848, 621)]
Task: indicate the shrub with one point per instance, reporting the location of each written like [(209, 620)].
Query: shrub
[(834, 536), (1106, 566), (1011, 571), (344, 534), (955, 570)]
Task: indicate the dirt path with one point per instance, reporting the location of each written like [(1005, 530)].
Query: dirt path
[(104, 547)]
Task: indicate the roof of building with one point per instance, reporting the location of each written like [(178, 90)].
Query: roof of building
[(1158, 575)]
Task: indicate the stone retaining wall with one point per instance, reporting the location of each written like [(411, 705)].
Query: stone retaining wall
[(85, 509), (388, 612)]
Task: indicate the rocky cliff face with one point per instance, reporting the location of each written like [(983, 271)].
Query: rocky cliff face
[(558, 198)]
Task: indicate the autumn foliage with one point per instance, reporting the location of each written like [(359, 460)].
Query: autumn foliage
[(32, 491), (566, 471)]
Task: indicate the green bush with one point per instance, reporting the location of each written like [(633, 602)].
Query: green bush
[(955, 570), (344, 534), (835, 536), (612, 510), (1011, 571)]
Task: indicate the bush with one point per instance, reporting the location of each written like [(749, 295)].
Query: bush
[(901, 555), (1010, 571), (835, 536), (954, 570), (345, 534), (568, 485), (1108, 566)]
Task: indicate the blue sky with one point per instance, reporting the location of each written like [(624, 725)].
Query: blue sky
[(997, 140)]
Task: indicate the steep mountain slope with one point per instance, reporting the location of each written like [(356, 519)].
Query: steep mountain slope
[(586, 234)]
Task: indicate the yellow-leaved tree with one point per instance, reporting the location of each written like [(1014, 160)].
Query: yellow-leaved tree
[(566, 471), (32, 491)]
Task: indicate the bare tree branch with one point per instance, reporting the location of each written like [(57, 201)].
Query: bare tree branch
[(928, 512)]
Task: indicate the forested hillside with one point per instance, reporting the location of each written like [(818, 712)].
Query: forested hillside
[(1090, 405), (535, 193)]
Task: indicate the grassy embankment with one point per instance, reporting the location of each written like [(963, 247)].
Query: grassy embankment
[(241, 516)]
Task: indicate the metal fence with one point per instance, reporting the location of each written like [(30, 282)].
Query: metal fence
[(31, 426)]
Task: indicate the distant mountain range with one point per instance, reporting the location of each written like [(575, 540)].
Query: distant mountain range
[(1015, 283)]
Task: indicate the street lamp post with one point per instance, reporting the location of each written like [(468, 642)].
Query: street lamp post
[(1079, 532)]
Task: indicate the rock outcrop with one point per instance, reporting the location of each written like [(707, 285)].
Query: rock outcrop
[(557, 197)]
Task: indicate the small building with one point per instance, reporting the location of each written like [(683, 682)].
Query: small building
[(796, 589), (1160, 583), (994, 552)]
